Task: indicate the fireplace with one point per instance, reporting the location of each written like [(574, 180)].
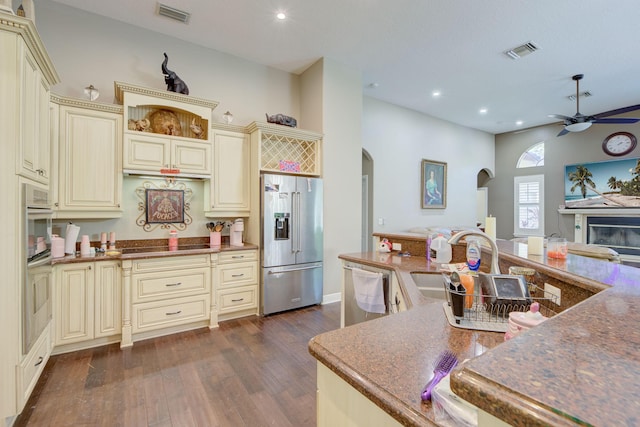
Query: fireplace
[(618, 229)]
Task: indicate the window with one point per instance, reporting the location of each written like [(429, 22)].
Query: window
[(529, 205), (534, 156)]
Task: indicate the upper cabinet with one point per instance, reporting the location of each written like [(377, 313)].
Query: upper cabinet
[(27, 75), (165, 133), (282, 149), (229, 188), (88, 159)]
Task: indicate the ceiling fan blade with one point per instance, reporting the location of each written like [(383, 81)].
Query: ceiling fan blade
[(618, 111), (561, 117), (563, 132), (618, 121)]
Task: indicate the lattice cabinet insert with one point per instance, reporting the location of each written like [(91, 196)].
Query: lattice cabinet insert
[(287, 150)]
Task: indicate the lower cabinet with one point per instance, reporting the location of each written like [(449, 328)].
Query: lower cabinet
[(339, 404), (166, 295), (32, 366), (87, 303), (237, 285)]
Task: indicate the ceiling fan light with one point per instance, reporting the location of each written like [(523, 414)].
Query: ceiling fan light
[(578, 127)]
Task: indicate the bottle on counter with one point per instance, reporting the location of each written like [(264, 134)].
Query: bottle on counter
[(173, 240), (473, 254), (442, 248), (428, 247)]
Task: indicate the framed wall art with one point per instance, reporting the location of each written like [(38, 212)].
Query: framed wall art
[(606, 184), (434, 184), (164, 205)]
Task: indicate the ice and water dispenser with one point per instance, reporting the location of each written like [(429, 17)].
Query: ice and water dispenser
[(281, 226)]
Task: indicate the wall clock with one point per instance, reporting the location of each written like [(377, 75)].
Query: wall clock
[(619, 143)]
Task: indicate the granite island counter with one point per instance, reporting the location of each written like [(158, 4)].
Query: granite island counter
[(566, 371)]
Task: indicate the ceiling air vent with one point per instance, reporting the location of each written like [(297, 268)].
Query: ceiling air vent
[(522, 50), (172, 13)]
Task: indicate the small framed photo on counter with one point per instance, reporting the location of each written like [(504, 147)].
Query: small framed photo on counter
[(434, 184)]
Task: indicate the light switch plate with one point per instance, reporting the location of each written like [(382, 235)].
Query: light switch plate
[(552, 293), (396, 246)]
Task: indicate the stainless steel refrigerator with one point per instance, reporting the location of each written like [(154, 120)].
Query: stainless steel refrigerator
[(292, 242)]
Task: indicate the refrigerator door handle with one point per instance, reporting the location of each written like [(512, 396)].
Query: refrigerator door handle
[(295, 213), (293, 270), (298, 231)]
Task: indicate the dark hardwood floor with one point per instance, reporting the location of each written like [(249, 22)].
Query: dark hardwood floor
[(248, 372)]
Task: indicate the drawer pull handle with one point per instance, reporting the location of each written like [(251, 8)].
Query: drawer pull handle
[(237, 300), (237, 275), (174, 313), (174, 284), (237, 256), (40, 360)]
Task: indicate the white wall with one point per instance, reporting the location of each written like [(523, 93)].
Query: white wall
[(89, 49), (398, 139)]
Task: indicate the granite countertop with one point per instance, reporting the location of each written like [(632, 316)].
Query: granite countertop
[(563, 372), (154, 248)]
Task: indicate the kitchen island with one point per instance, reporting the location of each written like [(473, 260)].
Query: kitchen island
[(563, 372)]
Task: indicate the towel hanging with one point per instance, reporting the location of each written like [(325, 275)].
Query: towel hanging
[(368, 290)]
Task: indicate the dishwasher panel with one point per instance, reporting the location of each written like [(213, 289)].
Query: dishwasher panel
[(351, 312)]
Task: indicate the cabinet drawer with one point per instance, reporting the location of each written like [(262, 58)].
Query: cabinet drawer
[(170, 263), (236, 299), (32, 366), (237, 256), (162, 314), (154, 286), (245, 273)]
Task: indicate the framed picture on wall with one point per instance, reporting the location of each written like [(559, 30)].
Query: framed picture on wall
[(434, 184), (164, 206)]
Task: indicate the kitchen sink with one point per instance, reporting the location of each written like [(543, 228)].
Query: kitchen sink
[(430, 284)]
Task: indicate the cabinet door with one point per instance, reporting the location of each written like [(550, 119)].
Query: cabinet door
[(33, 159), (191, 157), (108, 298), (229, 190), (90, 166), (74, 302), (146, 153)]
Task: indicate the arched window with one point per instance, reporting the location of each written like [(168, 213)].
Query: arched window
[(534, 156)]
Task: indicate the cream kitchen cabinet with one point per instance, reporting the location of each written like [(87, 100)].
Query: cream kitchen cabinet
[(158, 155), (175, 140), (89, 160), (87, 304), (34, 152), (165, 295), (237, 285), (228, 193), (27, 73)]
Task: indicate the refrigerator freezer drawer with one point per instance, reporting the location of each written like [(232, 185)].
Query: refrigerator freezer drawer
[(286, 288)]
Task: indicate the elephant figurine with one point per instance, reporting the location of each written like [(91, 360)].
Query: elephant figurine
[(281, 119), (174, 83)]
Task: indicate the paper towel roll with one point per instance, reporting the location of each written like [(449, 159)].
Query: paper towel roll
[(490, 227), (70, 239)]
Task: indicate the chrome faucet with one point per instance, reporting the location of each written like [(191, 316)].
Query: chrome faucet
[(495, 268)]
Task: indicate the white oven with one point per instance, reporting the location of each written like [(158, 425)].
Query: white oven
[(36, 289)]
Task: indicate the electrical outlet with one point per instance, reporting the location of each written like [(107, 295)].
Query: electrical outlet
[(553, 293), (381, 221), (397, 246)]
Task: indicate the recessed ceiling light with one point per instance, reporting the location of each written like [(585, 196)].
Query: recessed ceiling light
[(373, 85), (436, 93), (483, 111), (519, 123), (281, 15)]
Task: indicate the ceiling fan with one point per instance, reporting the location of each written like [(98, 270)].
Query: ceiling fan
[(580, 122)]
